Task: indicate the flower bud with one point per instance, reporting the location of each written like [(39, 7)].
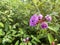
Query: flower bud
[(40, 16), (48, 17), (53, 43), (27, 38), (44, 25), (24, 40)]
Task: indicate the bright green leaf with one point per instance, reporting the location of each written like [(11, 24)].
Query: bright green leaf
[(34, 1), (1, 24), (29, 43), (1, 32), (23, 43), (17, 42), (51, 28), (35, 38), (50, 38)]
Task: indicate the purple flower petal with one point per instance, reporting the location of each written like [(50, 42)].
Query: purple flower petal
[(40, 16), (44, 25), (33, 20), (48, 17)]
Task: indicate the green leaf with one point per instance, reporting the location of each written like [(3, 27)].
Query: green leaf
[(25, 22), (6, 26), (23, 43), (34, 42), (55, 29), (34, 1), (10, 19), (1, 24), (29, 43), (35, 38), (17, 42), (1, 32), (21, 31), (50, 38)]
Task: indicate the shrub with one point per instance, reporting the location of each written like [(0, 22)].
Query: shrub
[(14, 22)]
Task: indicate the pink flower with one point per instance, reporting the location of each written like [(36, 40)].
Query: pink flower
[(40, 16), (44, 25), (48, 17), (27, 38), (33, 20)]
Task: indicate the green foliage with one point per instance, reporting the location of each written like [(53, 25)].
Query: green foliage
[(14, 22), (17, 42), (50, 38)]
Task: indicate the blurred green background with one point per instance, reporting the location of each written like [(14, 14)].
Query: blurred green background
[(14, 22)]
